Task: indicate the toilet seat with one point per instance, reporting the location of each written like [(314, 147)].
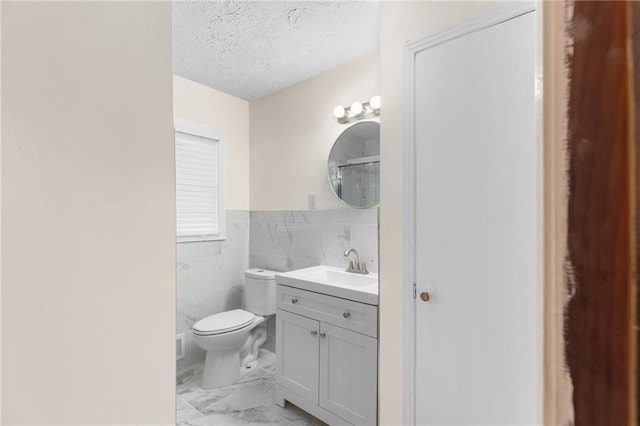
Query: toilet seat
[(223, 322)]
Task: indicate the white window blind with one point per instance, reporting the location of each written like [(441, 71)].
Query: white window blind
[(199, 210)]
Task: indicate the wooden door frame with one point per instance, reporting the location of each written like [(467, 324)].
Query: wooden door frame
[(556, 385), (601, 315), (412, 49)]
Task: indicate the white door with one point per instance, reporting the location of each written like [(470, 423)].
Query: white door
[(297, 354), (476, 227), (348, 374)]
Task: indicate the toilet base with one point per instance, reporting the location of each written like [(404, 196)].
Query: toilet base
[(220, 368), (222, 362)]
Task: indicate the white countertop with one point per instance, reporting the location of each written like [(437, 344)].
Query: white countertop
[(333, 282)]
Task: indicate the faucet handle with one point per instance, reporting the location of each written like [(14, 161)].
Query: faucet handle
[(364, 269)]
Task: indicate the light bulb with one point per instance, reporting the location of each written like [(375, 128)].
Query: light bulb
[(374, 102), (356, 108), (338, 111)]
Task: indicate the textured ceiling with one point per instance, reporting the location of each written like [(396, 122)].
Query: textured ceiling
[(252, 48)]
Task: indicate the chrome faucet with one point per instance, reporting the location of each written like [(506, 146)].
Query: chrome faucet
[(357, 266)]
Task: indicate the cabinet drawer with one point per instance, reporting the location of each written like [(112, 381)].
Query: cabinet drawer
[(359, 317)]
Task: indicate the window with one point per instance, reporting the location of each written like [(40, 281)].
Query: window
[(199, 198)]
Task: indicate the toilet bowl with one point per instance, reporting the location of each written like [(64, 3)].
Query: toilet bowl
[(224, 335)]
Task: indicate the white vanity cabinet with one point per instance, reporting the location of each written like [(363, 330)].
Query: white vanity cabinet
[(298, 357), (327, 356)]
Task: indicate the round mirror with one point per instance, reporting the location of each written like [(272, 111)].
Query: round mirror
[(354, 165)]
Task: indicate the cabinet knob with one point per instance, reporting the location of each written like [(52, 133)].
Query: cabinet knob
[(323, 334), (346, 314), (314, 332), (425, 296), (294, 301)]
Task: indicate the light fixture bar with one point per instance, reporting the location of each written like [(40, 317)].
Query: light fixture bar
[(357, 110)]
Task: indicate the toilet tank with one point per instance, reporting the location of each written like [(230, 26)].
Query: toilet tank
[(260, 291)]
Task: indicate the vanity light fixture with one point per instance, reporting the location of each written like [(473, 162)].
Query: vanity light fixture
[(357, 110), (374, 102), (339, 112)]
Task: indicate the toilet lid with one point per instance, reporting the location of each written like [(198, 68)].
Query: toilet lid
[(224, 322)]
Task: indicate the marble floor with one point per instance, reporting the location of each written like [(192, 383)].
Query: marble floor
[(249, 401)]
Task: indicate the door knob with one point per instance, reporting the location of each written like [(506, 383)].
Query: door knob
[(425, 296)]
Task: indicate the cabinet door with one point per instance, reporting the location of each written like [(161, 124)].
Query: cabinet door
[(348, 374), (297, 354)]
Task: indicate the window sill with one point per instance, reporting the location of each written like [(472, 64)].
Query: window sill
[(200, 239)]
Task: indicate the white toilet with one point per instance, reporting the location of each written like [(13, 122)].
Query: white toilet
[(226, 334)]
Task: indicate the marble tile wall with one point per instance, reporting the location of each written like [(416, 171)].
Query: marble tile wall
[(210, 277), (286, 240)]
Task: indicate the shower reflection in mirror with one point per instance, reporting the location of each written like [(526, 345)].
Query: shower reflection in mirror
[(354, 165)]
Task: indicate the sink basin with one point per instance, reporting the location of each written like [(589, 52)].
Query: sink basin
[(334, 282), (342, 277)]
